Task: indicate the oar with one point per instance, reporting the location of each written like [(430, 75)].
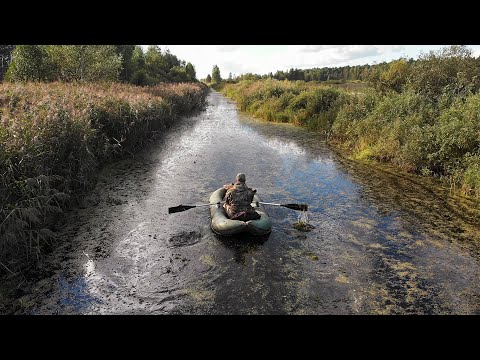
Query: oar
[(181, 208), (301, 207)]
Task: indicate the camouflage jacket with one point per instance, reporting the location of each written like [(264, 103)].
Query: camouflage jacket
[(238, 198)]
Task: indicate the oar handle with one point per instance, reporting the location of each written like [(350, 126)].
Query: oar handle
[(301, 207), (266, 203), (180, 208), (217, 203)]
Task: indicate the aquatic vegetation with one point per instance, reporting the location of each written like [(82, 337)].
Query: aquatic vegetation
[(302, 223)]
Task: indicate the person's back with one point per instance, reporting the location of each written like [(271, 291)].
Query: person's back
[(238, 200)]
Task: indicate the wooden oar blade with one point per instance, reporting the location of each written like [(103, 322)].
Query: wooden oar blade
[(301, 207), (180, 208)]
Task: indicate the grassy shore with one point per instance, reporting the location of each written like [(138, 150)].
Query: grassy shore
[(407, 129), (55, 136)]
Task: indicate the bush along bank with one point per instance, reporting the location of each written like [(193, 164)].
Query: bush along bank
[(433, 136), (53, 139), (305, 104)]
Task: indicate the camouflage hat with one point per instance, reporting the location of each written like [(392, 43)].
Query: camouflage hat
[(241, 177)]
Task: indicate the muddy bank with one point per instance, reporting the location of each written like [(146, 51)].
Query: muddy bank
[(380, 244)]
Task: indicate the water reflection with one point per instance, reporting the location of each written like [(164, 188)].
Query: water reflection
[(240, 245), (75, 295)]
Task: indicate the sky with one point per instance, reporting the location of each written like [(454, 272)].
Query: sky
[(262, 59)]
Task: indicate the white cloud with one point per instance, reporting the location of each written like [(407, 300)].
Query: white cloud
[(398, 48), (316, 48), (348, 52), (358, 51), (228, 48), (303, 56)]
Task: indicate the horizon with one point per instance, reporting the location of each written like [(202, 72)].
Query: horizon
[(263, 59)]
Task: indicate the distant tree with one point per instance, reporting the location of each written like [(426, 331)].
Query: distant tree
[(229, 76), (139, 74), (280, 75), (178, 74), (156, 65), (164, 66), (139, 77), (171, 60), (190, 69), (216, 78), (5, 58), (249, 76), (138, 58), (208, 79), (85, 62), (30, 63), (126, 51)]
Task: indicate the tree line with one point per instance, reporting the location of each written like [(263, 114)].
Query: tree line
[(69, 63), (340, 74), (383, 76)]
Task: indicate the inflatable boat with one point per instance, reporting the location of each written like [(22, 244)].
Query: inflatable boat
[(224, 226)]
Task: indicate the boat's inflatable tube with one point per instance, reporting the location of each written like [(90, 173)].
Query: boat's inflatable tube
[(222, 225)]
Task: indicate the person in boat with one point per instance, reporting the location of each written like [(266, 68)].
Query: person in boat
[(238, 199)]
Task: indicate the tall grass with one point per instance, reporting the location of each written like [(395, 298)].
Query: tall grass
[(409, 129), (54, 137), (305, 104)]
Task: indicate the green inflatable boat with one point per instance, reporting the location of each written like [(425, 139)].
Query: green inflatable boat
[(222, 225)]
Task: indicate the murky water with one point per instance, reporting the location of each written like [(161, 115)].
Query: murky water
[(382, 243)]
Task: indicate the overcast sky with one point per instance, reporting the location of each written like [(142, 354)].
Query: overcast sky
[(262, 59)]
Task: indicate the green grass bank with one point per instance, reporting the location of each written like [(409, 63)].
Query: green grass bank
[(437, 137)]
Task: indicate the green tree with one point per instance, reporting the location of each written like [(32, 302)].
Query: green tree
[(395, 77), (171, 60), (138, 58), (139, 77), (139, 74), (103, 63), (208, 79), (156, 65), (164, 66), (5, 58), (216, 78), (450, 71), (178, 74), (85, 62), (30, 63), (126, 51), (190, 69)]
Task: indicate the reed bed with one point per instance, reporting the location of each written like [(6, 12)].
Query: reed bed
[(55, 136)]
